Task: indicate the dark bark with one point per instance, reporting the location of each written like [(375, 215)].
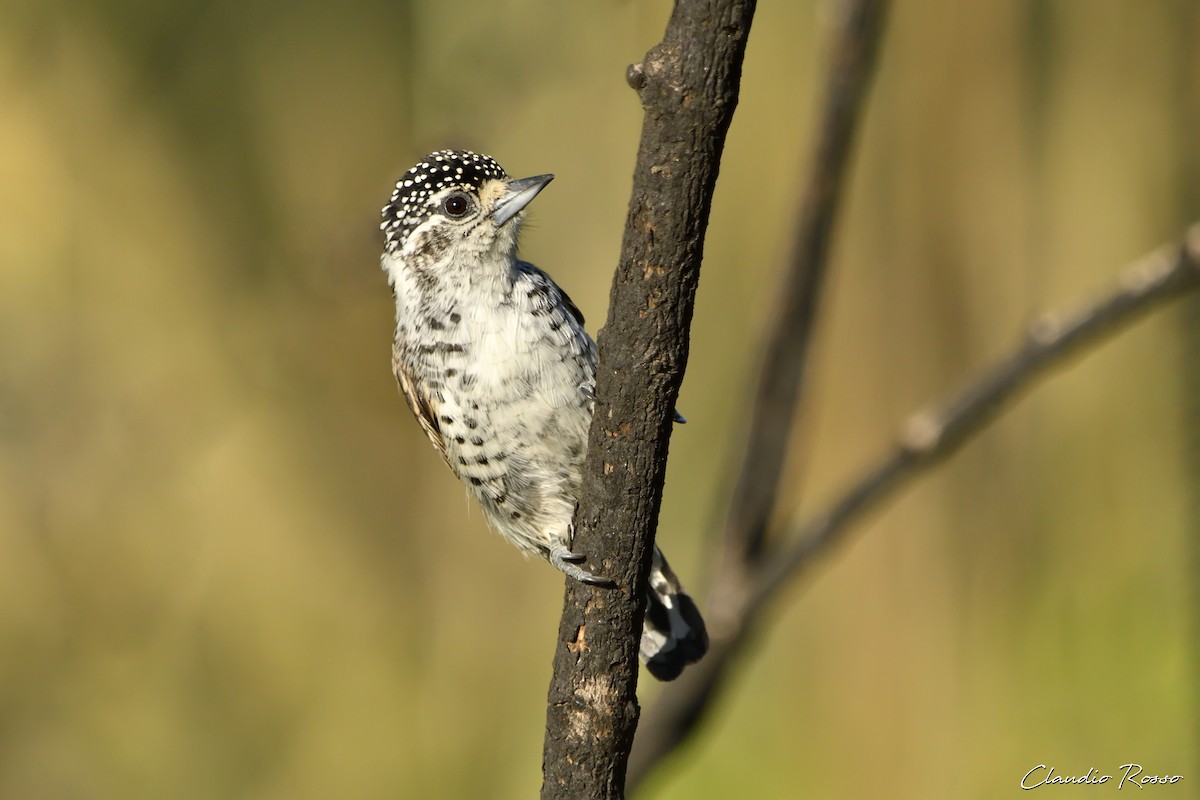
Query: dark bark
[(688, 85), (593, 709)]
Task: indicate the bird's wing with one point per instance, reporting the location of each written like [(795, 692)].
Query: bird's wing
[(421, 405), (539, 279), (572, 309)]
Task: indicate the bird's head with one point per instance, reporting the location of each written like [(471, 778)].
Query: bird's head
[(456, 204)]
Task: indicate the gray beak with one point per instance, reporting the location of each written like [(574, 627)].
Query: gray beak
[(520, 192)]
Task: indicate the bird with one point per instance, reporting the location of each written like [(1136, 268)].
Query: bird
[(494, 361)]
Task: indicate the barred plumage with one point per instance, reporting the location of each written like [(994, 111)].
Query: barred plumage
[(494, 361)]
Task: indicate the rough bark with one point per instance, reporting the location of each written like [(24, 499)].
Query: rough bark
[(688, 85)]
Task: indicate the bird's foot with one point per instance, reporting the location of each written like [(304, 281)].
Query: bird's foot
[(567, 563)]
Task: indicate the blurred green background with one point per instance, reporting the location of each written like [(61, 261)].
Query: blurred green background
[(232, 567)]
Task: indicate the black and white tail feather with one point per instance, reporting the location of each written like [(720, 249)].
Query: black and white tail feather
[(673, 633)]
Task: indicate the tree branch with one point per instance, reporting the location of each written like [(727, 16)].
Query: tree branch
[(688, 85), (781, 378), (934, 434)]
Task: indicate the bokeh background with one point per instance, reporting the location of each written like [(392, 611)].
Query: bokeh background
[(232, 567)]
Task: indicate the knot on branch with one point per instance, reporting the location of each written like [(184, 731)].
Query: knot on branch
[(661, 67), (635, 76), (921, 433), (1045, 329)]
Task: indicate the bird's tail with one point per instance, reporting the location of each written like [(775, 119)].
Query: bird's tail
[(673, 633)]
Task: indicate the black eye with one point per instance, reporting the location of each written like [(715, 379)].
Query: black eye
[(456, 205)]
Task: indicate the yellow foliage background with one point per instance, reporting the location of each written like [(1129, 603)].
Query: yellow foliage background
[(230, 565)]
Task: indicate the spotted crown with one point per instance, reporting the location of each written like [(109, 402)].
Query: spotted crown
[(410, 206)]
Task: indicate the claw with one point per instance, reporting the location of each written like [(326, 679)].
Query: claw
[(565, 562)]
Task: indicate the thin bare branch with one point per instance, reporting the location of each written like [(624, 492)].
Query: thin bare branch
[(927, 439), (785, 363), (932, 435)]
